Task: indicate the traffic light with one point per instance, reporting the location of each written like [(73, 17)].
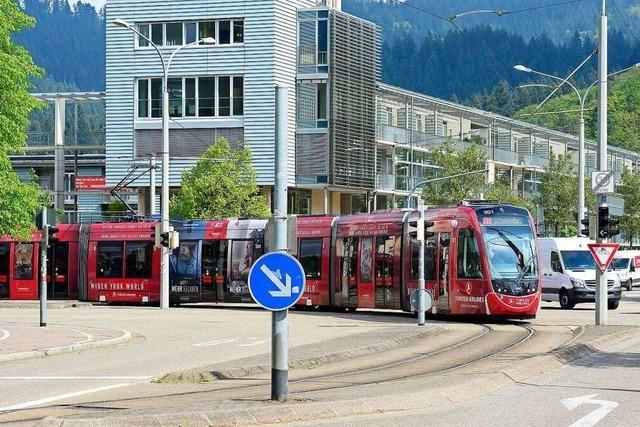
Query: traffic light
[(607, 225), (415, 224), (49, 235), (586, 223)]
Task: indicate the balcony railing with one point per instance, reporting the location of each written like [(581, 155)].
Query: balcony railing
[(385, 181), (85, 142)]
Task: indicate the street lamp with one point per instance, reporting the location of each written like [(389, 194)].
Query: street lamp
[(164, 278), (582, 98)]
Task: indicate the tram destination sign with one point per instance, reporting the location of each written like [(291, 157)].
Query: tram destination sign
[(276, 281)]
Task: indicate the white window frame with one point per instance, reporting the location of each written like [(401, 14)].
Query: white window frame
[(216, 22)]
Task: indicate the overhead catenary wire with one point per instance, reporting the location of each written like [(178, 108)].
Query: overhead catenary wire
[(625, 22)]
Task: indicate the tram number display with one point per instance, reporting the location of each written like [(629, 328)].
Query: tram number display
[(504, 220)]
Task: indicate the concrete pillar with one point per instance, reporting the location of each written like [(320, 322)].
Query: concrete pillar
[(58, 175)]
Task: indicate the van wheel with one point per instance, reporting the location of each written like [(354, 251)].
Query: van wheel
[(612, 305), (565, 301), (629, 285)]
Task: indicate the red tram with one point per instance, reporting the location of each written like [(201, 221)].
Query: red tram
[(481, 260)]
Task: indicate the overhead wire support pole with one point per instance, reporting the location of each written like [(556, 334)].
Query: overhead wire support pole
[(44, 243), (603, 66)]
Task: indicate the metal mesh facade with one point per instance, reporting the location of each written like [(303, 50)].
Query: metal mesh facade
[(185, 142), (354, 71)]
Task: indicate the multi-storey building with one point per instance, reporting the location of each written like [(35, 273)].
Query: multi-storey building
[(356, 144)]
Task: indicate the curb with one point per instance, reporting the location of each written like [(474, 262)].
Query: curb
[(51, 305), (71, 348), (272, 413), (204, 375)]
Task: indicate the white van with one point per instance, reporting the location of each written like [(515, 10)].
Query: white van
[(569, 273), (627, 265)]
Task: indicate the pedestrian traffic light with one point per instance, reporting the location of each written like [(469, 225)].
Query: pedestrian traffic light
[(607, 225), (586, 223), (415, 225)]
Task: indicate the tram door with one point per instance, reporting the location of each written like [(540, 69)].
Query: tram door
[(5, 263), (58, 271), (444, 242), (366, 290), (214, 269), (387, 290)]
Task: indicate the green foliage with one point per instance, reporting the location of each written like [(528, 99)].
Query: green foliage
[(453, 162), (629, 190), (503, 193), (623, 106), (222, 184), (559, 196), (18, 202)]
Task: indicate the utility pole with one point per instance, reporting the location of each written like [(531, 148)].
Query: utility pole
[(421, 281), (44, 244), (601, 280), (152, 185), (279, 319)]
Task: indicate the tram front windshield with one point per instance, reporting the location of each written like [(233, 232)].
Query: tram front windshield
[(511, 250)]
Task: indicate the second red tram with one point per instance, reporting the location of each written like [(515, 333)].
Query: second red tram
[(480, 260)]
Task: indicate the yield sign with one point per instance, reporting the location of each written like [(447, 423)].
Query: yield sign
[(603, 253)]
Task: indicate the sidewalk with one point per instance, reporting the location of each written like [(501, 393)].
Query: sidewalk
[(51, 304), (20, 341)]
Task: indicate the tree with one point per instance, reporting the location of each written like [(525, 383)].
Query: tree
[(19, 202), (222, 184), (559, 195), (454, 162), (629, 190)]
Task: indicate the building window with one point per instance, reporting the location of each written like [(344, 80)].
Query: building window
[(192, 97), (174, 34), (109, 260), (175, 97), (323, 42), (390, 117), (207, 96), (191, 32), (145, 30), (180, 33), (69, 179), (238, 31), (322, 101), (157, 34), (238, 96), (224, 32), (224, 96)]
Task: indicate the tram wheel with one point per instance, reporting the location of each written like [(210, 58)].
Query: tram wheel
[(565, 300)]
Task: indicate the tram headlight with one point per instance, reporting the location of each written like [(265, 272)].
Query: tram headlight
[(578, 283)]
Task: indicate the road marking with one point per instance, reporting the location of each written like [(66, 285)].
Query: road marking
[(46, 400), (89, 337), (254, 344), (594, 417), (5, 334), (214, 343), (77, 378)]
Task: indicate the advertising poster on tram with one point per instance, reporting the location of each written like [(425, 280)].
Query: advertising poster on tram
[(185, 268)]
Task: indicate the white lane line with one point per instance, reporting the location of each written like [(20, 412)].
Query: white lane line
[(5, 334), (254, 344), (46, 400), (214, 343), (77, 378)]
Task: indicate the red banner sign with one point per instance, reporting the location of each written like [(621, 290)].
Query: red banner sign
[(84, 183)]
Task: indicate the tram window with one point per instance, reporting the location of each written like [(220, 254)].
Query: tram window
[(214, 258), (445, 239), (242, 258), (429, 259), (24, 261), (469, 266), (4, 260), (139, 258), (109, 260), (348, 257), (311, 257), (385, 249)]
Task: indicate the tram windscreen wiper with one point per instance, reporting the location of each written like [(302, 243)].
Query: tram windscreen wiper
[(512, 245)]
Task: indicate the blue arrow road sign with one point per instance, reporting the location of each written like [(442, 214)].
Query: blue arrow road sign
[(276, 281)]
